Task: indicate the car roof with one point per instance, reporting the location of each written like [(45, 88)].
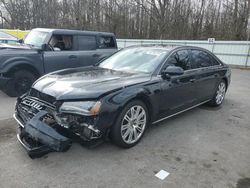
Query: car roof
[(72, 32), (167, 47), (171, 47), (153, 46)]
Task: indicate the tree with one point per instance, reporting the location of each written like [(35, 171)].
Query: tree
[(154, 19)]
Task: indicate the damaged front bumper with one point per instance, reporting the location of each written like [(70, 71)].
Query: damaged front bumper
[(41, 128), (38, 138)]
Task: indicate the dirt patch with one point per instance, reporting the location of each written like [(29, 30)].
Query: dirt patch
[(215, 153), (7, 129), (178, 159), (243, 183), (207, 165)]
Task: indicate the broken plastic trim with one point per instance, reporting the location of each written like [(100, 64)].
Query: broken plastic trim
[(42, 133), (33, 152), (92, 128)]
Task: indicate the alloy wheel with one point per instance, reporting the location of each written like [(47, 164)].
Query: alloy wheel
[(220, 94), (133, 124)]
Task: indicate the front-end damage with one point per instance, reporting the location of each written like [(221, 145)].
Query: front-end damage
[(44, 127)]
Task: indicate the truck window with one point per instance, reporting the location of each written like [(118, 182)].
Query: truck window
[(62, 42), (106, 42), (86, 42)]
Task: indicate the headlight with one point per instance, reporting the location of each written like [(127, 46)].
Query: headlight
[(87, 108)]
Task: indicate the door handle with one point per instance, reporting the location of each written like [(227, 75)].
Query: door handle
[(192, 80), (72, 57)]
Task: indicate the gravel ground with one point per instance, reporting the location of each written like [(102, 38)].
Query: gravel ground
[(204, 147)]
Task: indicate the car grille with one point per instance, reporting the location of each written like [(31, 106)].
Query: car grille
[(42, 96), (30, 106)]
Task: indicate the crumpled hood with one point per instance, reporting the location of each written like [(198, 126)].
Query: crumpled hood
[(86, 82)]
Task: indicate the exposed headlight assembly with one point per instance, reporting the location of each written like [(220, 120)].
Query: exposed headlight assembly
[(86, 108)]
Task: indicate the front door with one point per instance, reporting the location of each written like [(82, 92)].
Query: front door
[(178, 92), (64, 54)]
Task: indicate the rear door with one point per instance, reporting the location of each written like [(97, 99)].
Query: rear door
[(64, 54), (87, 50), (93, 48), (207, 73), (179, 92)]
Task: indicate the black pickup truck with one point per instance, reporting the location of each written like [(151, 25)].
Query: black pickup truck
[(47, 50)]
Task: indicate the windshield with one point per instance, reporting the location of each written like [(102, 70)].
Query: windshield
[(141, 59), (36, 38)]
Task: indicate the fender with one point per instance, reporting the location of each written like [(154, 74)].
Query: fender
[(35, 64), (224, 74), (227, 77), (113, 104)]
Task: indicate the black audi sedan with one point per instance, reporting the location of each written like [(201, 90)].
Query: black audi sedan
[(119, 97)]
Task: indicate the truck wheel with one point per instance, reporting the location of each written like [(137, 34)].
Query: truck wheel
[(20, 82)]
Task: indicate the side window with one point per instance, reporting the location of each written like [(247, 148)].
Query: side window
[(62, 42), (183, 59), (180, 59), (106, 42), (202, 59), (213, 60), (86, 42)]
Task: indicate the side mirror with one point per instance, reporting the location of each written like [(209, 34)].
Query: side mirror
[(20, 41), (46, 47), (171, 71)]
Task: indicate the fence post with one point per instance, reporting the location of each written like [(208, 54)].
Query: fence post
[(247, 55), (213, 48)]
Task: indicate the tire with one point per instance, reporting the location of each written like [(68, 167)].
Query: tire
[(20, 82), (128, 126), (219, 95)]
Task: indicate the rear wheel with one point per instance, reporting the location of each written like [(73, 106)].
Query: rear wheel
[(20, 82), (130, 125), (219, 94)]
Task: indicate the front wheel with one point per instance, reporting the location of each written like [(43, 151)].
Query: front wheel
[(219, 94), (130, 125), (20, 82)]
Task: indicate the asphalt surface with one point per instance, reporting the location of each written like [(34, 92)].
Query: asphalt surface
[(204, 147)]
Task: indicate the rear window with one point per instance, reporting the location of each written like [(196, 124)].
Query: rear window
[(106, 42), (202, 59), (86, 42)]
